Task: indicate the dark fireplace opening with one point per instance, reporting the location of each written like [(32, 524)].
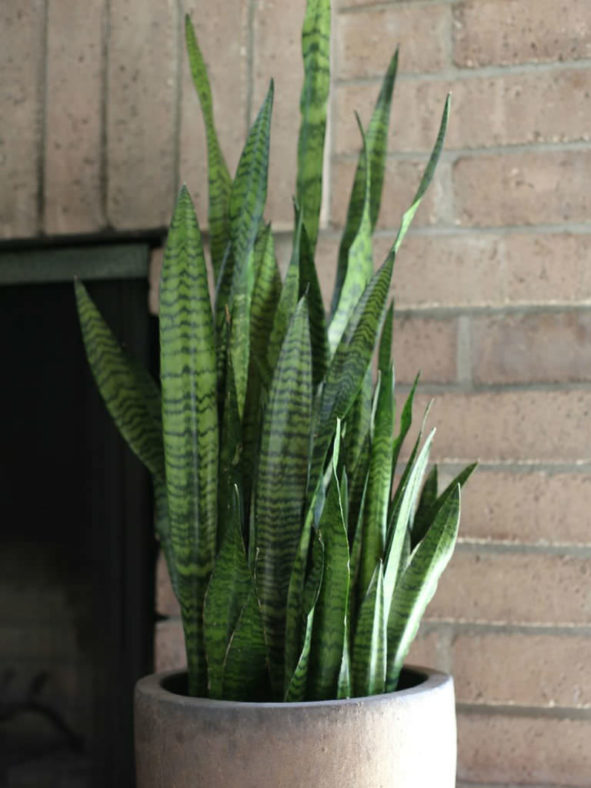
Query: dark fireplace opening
[(76, 546)]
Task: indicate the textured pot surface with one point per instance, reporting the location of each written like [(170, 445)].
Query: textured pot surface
[(405, 739)]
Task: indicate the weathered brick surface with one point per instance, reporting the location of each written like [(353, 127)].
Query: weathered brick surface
[(141, 98), (73, 168), (526, 670), (401, 180), (21, 47), (426, 651), (366, 42), (529, 348), (223, 40), (548, 268), (509, 425), (524, 750), (169, 646), (528, 507), (277, 55), (523, 188), (428, 346), (505, 32), (514, 588), (505, 109)]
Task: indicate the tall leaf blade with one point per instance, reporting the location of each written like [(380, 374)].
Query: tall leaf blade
[(220, 182), (190, 423), (310, 286), (359, 261), (418, 583), (313, 109), (402, 519), (246, 672), (332, 606), (128, 391), (409, 214), (349, 364), (385, 351), (249, 190), (376, 143), (429, 505), (227, 593), (369, 644), (281, 483), (297, 679), (379, 481)]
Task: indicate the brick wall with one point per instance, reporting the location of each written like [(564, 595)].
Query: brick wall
[(493, 286)]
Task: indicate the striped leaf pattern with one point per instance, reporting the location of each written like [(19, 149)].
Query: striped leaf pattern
[(374, 151), (281, 483), (190, 423), (417, 585), (313, 109), (299, 577), (332, 607), (220, 182)]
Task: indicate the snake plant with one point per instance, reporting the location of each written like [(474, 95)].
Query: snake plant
[(302, 555)]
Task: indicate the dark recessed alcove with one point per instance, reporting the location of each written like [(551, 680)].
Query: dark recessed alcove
[(76, 543)]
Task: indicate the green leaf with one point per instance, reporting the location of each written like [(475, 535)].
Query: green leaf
[(357, 426), (376, 143), (405, 424), (190, 423), (375, 519), (385, 351), (288, 299), (332, 606), (310, 286), (430, 503), (418, 583), (249, 190), (344, 685), (247, 204), (298, 681), (409, 214), (349, 364), (230, 465), (402, 517), (359, 261), (265, 294), (227, 593), (369, 644), (246, 672), (281, 483), (129, 391), (220, 182), (313, 108)]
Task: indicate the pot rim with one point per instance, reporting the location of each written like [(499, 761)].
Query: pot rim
[(152, 685)]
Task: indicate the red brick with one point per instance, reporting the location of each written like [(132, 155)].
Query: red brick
[(223, 40), (366, 41), (277, 54), (536, 188), (400, 184), (532, 508), (427, 345), (523, 670), (505, 109), (524, 750), (504, 32), (530, 348), (166, 602), (514, 588), (550, 268), (141, 113), (169, 646), (73, 194), (21, 47), (510, 426)]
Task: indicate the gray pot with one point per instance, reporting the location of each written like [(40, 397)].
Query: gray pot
[(405, 739)]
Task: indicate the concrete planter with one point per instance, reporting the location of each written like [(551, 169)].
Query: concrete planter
[(405, 739)]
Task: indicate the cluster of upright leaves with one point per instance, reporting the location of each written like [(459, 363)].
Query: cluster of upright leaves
[(301, 568)]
